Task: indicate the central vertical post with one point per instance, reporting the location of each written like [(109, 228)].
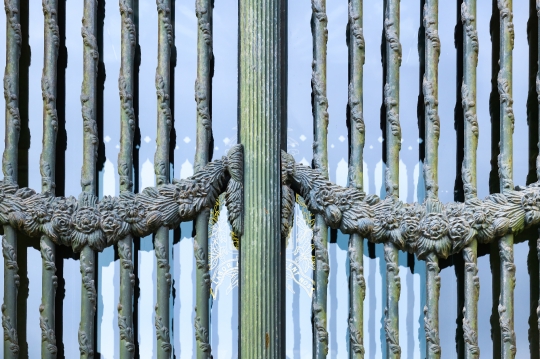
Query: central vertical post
[(262, 100)]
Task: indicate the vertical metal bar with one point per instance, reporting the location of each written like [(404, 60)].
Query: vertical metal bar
[(430, 90), (125, 171), (468, 99), (393, 146), (319, 22), (538, 158), (203, 97), (161, 168), (88, 173), (48, 167), (357, 284), (261, 117), (9, 168), (506, 243)]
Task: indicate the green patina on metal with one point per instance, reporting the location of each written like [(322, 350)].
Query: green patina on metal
[(357, 284), (203, 97), (125, 171), (48, 167)]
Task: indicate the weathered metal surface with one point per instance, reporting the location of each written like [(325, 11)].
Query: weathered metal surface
[(88, 199), (203, 97), (357, 284), (506, 243), (48, 167), (9, 168), (468, 100), (393, 146), (433, 207), (162, 171), (261, 105), (319, 23), (125, 171)]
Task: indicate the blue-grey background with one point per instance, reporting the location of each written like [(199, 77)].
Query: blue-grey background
[(224, 311)]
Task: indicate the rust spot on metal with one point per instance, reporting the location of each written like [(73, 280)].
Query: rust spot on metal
[(267, 340)]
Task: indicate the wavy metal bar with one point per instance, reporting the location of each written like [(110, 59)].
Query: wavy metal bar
[(506, 243), (468, 100), (430, 90), (87, 199), (393, 146), (357, 284), (320, 162), (47, 167), (161, 168), (203, 97), (9, 168), (125, 171)]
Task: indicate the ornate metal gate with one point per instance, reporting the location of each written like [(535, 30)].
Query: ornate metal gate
[(260, 181)]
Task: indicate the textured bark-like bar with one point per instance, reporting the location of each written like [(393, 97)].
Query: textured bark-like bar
[(468, 100), (47, 167), (88, 173), (357, 285), (261, 102), (161, 168), (125, 171), (506, 243), (393, 146), (319, 30), (9, 168), (538, 158), (203, 97), (430, 90)]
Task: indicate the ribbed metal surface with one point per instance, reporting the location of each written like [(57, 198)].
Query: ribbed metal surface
[(125, 171), (468, 101), (203, 97), (161, 168), (357, 284), (48, 167), (262, 262)]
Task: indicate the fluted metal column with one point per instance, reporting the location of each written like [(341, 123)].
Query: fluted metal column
[(47, 167), (261, 116), (357, 284), (468, 100), (9, 168), (125, 171), (506, 243)]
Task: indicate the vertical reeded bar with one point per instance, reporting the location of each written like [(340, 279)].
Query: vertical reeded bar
[(125, 171), (9, 168), (261, 115), (203, 97), (430, 90), (357, 284), (538, 158), (47, 167), (319, 29), (468, 100), (506, 243), (88, 173), (393, 146), (161, 168)]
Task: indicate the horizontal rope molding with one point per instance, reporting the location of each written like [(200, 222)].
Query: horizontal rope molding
[(424, 229), (99, 224)]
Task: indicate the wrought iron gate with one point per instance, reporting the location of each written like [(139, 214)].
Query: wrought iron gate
[(260, 181)]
